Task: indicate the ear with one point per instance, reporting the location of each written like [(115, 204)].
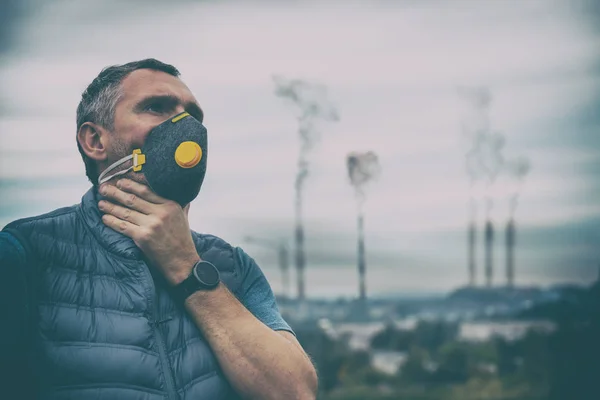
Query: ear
[(92, 138)]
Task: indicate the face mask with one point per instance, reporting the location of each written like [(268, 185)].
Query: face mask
[(173, 159)]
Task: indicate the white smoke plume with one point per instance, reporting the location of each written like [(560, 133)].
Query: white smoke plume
[(483, 155), (517, 169), (313, 105)]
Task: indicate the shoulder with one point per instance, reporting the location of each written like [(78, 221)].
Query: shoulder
[(214, 249), (225, 256), (207, 243), (11, 247), (58, 213), (208, 240), (14, 261), (211, 244), (19, 232)]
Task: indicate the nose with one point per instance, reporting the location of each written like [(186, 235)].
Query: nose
[(179, 109)]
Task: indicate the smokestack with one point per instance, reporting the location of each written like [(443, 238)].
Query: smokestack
[(517, 170), (361, 259), (471, 252), (311, 100), (362, 169), (283, 259), (483, 161), (299, 238), (285, 270), (510, 254), (489, 241), (300, 258)]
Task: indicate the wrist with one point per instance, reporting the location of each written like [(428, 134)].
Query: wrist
[(181, 269), (202, 295), (204, 277)]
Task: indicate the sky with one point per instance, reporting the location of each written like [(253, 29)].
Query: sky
[(391, 69)]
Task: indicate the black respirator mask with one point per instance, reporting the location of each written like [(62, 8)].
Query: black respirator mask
[(173, 159)]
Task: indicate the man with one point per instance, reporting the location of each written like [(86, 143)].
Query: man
[(116, 298)]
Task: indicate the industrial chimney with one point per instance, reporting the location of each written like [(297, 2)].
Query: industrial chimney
[(489, 241), (510, 253), (361, 259), (300, 258), (312, 101), (282, 255), (471, 252), (362, 168)]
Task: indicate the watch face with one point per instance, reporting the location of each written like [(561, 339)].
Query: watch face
[(207, 274)]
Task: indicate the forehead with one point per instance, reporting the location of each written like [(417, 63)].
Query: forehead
[(143, 83)]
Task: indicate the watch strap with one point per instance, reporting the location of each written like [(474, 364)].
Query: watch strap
[(192, 284)]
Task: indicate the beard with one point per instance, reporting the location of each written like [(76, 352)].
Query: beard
[(121, 149)]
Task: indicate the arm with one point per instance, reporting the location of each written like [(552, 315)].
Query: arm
[(255, 347), (15, 319), (259, 362)]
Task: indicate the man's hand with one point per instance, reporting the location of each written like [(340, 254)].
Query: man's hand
[(259, 362), (159, 227)]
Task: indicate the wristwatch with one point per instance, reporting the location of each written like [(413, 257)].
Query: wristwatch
[(204, 276)]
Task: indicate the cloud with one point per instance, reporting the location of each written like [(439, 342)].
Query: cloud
[(391, 68)]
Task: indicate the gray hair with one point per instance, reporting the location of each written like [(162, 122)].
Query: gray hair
[(100, 99)]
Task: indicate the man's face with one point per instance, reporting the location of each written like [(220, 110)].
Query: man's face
[(149, 98)]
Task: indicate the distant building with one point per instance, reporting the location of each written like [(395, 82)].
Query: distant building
[(359, 335), (388, 362), (508, 330)]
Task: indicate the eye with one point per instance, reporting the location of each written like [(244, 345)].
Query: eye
[(155, 107)]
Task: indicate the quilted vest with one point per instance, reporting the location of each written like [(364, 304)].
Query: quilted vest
[(107, 326)]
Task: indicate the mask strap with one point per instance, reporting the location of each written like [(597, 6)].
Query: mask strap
[(103, 178)]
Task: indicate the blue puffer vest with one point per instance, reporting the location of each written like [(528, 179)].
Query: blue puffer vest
[(106, 327)]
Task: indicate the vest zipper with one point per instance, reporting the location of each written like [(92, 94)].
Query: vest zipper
[(166, 365), (162, 348)]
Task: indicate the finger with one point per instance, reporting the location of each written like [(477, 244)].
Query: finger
[(129, 200), (140, 190), (122, 213), (126, 228)]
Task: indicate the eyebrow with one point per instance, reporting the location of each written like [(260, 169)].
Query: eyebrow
[(172, 101)]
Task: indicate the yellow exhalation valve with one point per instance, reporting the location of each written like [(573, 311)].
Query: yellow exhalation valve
[(188, 154)]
